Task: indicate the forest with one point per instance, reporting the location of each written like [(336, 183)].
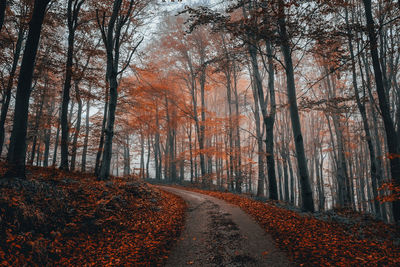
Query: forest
[(289, 102)]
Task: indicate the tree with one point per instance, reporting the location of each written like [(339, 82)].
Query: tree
[(16, 153), (390, 131), (113, 36), (375, 177), (73, 9), (306, 192), (268, 117), (21, 29), (3, 6)]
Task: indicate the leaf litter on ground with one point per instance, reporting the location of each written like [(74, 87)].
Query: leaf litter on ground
[(340, 238), (62, 218)]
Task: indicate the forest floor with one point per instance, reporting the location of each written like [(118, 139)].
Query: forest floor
[(220, 234), (62, 218), (339, 238), (57, 218)]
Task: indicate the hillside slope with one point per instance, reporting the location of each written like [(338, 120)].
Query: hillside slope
[(59, 218)]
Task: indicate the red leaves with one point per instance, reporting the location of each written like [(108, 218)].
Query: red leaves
[(392, 156), (60, 218), (392, 192), (310, 241)]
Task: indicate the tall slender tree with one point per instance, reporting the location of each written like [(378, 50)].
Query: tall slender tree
[(113, 36), (74, 6), (306, 191), (16, 153), (10, 82), (390, 131)]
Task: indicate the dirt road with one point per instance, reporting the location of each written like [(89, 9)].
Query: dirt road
[(219, 234)]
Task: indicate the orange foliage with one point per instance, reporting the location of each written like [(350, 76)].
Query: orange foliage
[(313, 242), (60, 218), (394, 194)]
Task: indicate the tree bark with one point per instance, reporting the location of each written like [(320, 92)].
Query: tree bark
[(390, 130), (157, 150), (72, 18), (268, 121), (101, 142), (86, 139), (10, 82), (109, 131), (306, 191), (112, 42), (39, 153), (16, 153), (361, 107), (230, 130), (202, 125), (47, 135), (56, 143), (285, 180), (148, 157), (77, 127), (189, 132), (238, 152), (3, 5), (37, 124), (127, 159), (141, 168), (343, 185), (260, 149)]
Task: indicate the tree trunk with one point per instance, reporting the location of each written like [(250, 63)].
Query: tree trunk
[(343, 184), (16, 153), (66, 91), (260, 149), (190, 153), (37, 124), (86, 140), (157, 151), (109, 131), (202, 124), (285, 180), (279, 182), (112, 44), (148, 157), (181, 166), (47, 136), (141, 171), (390, 130), (238, 157), (10, 82), (101, 142), (170, 144), (127, 158), (361, 107), (306, 191), (56, 144), (39, 153), (47, 133), (72, 19), (77, 127), (3, 5), (292, 178), (320, 183), (230, 132), (268, 119), (378, 146)]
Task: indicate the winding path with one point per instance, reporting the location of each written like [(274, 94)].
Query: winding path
[(219, 234)]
